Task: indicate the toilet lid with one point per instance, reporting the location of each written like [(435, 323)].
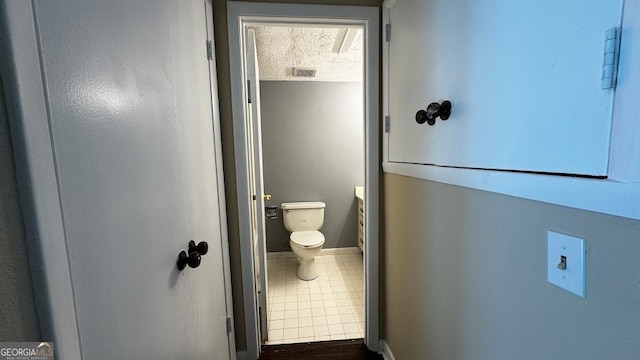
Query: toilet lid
[(307, 238)]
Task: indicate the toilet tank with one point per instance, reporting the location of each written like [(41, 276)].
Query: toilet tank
[(303, 216)]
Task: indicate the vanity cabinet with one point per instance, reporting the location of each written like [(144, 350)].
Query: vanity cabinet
[(523, 78), (361, 220), (359, 194)]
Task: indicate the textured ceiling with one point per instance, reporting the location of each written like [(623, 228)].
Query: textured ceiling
[(281, 48)]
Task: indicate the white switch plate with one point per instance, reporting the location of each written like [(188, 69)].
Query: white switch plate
[(572, 278)]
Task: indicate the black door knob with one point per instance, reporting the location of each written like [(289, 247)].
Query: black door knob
[(202, 248), (193, 260), (422, 117), (435, 110)]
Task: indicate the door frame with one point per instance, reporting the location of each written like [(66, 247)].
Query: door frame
[(37, 179), (222, 202), (257, 174), (239, 14), (21, 72)]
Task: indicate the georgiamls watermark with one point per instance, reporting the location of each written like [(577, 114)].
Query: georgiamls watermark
[(26, 351)]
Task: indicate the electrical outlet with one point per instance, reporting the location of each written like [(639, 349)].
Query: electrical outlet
[(566, 262)]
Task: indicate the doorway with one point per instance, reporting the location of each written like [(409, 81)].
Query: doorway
[(241, 16), (312, 150)]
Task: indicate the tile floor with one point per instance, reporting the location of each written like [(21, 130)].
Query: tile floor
[(330, 307)]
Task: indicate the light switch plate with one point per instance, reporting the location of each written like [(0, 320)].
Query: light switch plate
[(572, 278)]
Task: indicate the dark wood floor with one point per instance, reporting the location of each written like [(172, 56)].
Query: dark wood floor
[(325, 350)]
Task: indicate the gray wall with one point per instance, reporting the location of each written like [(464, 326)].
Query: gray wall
[(18, 317), (466, 278), (313, 149)]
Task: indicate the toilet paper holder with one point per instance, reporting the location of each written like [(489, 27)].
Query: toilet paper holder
[(271, 212)]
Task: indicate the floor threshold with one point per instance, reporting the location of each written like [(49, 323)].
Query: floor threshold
[(353, 349)]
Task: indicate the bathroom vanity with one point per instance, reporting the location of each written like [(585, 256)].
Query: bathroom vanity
[(360, 196)]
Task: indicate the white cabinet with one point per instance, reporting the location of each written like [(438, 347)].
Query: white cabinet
[(524, 78), (361, 218), (361, 224)]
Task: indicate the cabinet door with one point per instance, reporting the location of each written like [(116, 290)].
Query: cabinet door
[(523, 78)]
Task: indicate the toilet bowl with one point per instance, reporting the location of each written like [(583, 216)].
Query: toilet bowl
[(306, 245), (303, 220)]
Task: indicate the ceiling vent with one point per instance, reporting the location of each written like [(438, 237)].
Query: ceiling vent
[(304, 72)]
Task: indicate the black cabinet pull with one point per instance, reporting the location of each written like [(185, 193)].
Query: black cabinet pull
[(193, 256), (434, 110)]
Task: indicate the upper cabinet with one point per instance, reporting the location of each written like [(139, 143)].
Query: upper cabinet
[(523, 78)]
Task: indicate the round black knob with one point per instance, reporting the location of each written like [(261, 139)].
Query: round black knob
[(193, 260), (421, 117), (445, 110), (202, 248), (435, 110)]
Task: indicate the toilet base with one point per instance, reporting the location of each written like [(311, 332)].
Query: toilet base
[(307, 269)]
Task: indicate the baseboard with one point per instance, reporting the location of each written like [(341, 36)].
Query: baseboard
[(241, 355), (341, 251), (281, 255), (385, 350), (335, 251)]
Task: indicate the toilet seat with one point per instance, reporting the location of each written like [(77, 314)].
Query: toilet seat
[(307, 238)]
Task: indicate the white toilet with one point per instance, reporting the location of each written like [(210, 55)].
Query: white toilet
[(303, 220)]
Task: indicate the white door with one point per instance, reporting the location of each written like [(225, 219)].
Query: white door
[(257, 184), (129, 97), (524, 79)]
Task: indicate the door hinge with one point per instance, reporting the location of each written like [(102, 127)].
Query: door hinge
[(611, 58), (387, 123), (249, 92), (229, 325), (387, 32), (209, 50)]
